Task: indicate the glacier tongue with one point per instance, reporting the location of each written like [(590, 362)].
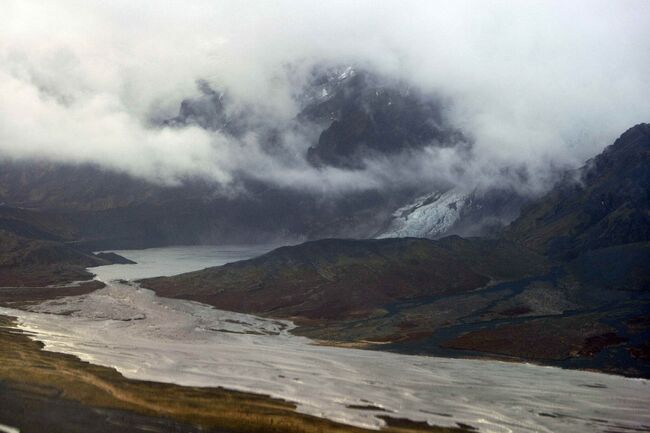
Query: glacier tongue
[(429, 216)]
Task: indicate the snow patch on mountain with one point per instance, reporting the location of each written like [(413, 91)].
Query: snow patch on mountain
[(348, 72)]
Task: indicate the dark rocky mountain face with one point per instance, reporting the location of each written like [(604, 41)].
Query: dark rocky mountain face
[(51, 186), (360, 114), (207, 110), (213, 110), (607, 205), (366, 116)]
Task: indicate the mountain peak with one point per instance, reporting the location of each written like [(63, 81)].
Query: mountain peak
[(635, 140)]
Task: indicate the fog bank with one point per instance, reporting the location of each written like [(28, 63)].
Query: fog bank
[(536, 85)]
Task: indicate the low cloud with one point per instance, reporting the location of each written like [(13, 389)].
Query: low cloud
[(537, 85)]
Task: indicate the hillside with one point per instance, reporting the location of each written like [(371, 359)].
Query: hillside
[(37, 249), (608, 203), (342, 279)]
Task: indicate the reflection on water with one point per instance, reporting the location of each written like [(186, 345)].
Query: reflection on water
[(188, 343)]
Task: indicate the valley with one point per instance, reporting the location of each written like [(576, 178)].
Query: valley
[(325, 217), (164, 340), (401, 334)]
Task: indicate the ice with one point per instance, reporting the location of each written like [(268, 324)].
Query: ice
[(428, 216), (348, 72), (7, 429)]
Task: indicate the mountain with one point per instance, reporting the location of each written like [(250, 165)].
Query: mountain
[(102, 209), (110, 209), (566, 284), (595, 225), (29, 262), (606, 203), (366, 115), (208, 110), (37, 249), (355, 115), (30, 256)]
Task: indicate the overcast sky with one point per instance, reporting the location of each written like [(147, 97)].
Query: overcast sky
[(538, 85)]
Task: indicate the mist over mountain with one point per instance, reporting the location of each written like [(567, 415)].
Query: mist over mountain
[(354, 121), (528, 95), (307, 120)]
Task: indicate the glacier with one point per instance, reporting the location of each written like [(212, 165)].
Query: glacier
[(430, 215)]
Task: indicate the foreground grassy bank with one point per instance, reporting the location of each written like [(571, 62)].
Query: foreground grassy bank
[(44, 381)]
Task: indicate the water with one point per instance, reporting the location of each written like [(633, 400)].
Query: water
[(188, 343), (157, 262)]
